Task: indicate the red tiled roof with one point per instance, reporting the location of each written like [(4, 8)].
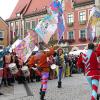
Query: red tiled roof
[(81, 1), (20, 5), (29, 6), (37, 4)]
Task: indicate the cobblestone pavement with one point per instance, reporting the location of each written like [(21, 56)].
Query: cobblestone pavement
[(73, 88)]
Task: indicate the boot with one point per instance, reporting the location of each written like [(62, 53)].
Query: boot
[(1, 93), (40, 91), (5, 81), (9, 82), (42, 95), (98, 95), (59, 84)]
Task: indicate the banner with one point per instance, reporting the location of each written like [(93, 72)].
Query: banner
[(15, 44), (47, 27), (56, 7), (93, 20), (25, 48), (94, 16)]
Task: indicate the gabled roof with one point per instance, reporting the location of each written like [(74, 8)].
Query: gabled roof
[(21, 5), (26, 7), (3, 21), (81, 1)]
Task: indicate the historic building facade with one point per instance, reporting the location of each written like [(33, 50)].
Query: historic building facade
[(28, 13), (76, 16), (4, 37)]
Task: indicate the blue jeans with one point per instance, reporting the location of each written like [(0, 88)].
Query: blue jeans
[(60, 74)]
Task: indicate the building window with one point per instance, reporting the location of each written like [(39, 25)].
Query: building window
[(1, 35), (71, 35), (16, 27), (1, 46), (33, 25), (70, 18), (83, 33), (82, 16), (27, 25), (18, 15)]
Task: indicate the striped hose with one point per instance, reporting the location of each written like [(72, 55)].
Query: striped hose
[(44, 81), (94, 83)]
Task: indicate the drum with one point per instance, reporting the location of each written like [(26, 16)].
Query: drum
[(13, 68), (53, 66), (25, 71)]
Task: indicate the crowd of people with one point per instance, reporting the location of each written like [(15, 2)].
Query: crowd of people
[(39, 67)]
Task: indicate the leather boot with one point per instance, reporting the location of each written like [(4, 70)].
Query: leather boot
[(1, 93), (98, 95), (42, 95), (40, 91), (59, 85)]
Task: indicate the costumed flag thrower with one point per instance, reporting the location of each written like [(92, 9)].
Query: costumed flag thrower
[(93, 20)]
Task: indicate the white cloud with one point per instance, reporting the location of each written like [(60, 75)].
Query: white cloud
[(6, 8)]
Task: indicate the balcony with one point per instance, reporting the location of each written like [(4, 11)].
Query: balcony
[(81, 3), (82, 39), (82, 22), (71, 40), (53, 42), (1, 38), (70, 24)]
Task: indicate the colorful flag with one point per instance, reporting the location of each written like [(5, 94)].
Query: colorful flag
[(93, 20), (46, 27), (25, 48), (56, 6), (60, 27)]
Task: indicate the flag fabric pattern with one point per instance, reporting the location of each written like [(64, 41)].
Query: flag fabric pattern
[(46, 27), (56, 6), (25, 48), (60, 26), (93, 20), (51, 22)]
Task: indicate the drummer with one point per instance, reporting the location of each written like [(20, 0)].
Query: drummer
[(20, 76), (42, 64), (7, 76)]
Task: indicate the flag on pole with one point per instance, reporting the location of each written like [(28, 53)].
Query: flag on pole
[(93, 20), (56, 7), (60, 26), (46, 27)]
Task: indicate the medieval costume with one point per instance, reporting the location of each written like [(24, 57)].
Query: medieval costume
[(40, 59), (7, 76), (88, 62)]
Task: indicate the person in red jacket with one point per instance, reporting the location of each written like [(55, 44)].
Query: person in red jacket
[(40, 59), (88, 62)]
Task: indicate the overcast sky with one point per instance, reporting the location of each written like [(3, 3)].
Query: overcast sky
[(6, 8)]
